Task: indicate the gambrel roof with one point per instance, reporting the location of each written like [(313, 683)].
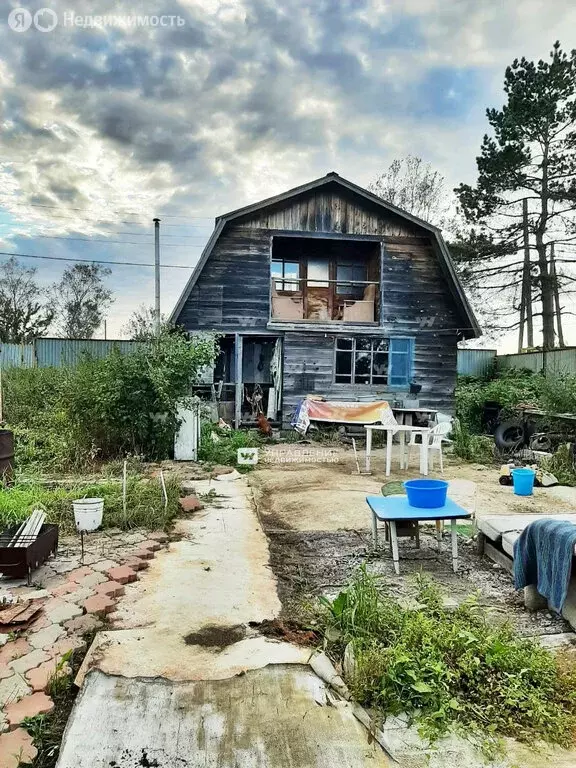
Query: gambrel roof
[(470, 323)]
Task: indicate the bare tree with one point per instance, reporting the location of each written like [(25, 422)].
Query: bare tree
[(414, 186), (23, 313), (141, 325), (81, 299)]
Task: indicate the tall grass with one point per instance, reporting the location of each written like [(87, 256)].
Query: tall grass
[(144, 503)]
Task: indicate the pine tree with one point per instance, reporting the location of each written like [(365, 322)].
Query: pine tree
[(530, 154)]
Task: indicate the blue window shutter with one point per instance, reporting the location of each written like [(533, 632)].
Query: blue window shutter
[(401, 358)]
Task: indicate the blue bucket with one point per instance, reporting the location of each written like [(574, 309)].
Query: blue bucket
[(426, 494), (523, 481)]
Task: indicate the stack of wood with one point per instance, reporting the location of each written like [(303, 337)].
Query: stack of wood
[(19, 615), (29, 530)]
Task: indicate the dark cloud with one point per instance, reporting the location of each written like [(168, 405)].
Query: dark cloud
[(241, 83)]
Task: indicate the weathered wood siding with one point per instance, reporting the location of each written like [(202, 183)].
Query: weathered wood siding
[(331, 209), (233, 291), (232, 295), (309, 363)]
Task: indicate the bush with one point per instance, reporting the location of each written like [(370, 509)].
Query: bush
[(220, 446), (561, 465), (100, 409), (509, 388), (558, 393), (449, 668), (469, 447)]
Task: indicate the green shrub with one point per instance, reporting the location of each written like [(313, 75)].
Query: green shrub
[(558, 393), (449, 668), (478, 448), (101, 409), (561, 465), (220, 446), (509, 388)]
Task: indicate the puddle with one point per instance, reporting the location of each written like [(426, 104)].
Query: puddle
[(216, 636)]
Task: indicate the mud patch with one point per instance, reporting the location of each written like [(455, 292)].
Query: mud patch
[(143, 759), (289, 631), (215, 636), (312, 563)]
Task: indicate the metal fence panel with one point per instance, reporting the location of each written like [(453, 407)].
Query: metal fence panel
[(16, 355), (60, 353), (553, 362), (475, 362)]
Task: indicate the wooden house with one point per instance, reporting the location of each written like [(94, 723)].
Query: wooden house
[(327, 289)]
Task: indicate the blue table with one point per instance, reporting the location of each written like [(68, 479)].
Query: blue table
[(395, 509)]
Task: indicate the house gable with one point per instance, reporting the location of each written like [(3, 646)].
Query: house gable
[(330, 206)]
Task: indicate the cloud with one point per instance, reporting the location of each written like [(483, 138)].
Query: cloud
[(247, 98)]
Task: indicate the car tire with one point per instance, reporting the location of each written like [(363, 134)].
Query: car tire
[(510, 434)]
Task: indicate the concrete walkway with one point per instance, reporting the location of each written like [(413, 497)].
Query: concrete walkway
[(183, 681)]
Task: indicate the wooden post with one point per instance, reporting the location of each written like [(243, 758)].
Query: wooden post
[(558, 310), (526, 278), (124, 481), (238, 380)]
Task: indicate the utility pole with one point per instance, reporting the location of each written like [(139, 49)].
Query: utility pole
[(157, 276), (556, 296), (105, 334), (526, 282)]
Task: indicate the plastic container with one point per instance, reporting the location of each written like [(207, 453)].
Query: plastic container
[(426, 494), (88, 513), (523, 481)]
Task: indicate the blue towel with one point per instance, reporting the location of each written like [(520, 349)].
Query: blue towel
[(543, 557)]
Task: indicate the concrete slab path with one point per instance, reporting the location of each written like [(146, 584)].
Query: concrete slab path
[(163, 693), (279, 716)]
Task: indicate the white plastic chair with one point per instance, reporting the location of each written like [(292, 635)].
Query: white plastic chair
[(436, 437)]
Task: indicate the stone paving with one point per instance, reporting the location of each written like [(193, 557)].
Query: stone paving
[(75, 596)]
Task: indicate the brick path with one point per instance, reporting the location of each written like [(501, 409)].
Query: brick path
[(76, 597)]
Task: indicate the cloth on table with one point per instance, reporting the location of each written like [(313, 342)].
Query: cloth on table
[(543, 557), (340, 412)]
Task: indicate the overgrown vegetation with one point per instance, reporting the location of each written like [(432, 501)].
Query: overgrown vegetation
[(101, 409), (561, 465), (220, 446), (510, 387), (465, 445), (144, 503), (449, 669)]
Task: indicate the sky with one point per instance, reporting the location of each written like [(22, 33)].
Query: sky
[(109, 122)]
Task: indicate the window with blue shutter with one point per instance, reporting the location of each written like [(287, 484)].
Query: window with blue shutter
[(400, 362), (373, 360)]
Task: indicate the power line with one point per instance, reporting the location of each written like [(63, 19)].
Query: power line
[(112, 242), (120, 213), (199, 238), (95, 261), (110, 220)]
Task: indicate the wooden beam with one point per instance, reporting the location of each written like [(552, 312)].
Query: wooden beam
[(238, 344)]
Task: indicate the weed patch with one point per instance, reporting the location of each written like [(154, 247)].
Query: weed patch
[(469, 447), (220, 446), (144, 503), (449, 669), (561, 465)]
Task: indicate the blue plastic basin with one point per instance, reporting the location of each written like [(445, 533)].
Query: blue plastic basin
[(523, 481), (426, 494)]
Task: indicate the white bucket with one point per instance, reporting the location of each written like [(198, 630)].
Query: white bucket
[(88, 513)]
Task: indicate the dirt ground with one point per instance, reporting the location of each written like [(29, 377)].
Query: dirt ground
[(318, 525)]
